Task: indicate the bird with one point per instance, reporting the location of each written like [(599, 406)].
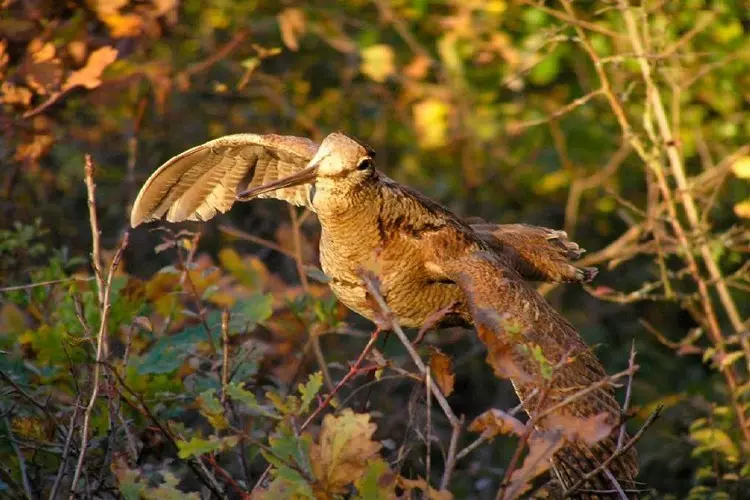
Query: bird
[(427, 259)]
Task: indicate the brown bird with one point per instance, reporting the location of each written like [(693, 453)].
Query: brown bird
[(427, 259)]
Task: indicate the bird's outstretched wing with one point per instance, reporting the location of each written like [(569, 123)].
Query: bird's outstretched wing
[(517, 324), (204, 180), (537, 253)]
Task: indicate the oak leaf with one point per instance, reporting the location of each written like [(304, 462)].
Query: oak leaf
[(590, 430), (542, 445), (442, 370), (420, 484), (89, 75), (344, 448), (494, 422)]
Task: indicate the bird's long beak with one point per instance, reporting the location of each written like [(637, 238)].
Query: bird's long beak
[(304, 176)]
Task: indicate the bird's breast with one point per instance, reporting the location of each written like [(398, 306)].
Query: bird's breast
[(347, 248)]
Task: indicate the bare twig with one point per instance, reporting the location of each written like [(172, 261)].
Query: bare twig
[(678, 172), (628, 389), (45, 283), (614, 455), (65, 451), (19, 456), (104, 289), (314, 338), (450, 461)]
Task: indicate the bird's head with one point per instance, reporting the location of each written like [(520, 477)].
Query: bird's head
[(340, 162)]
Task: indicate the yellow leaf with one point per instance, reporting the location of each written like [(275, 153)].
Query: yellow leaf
[(431, 122), (741, 167), (378, 62), (88, 76), (716, 439), (742, 209), (123, 25), (442, 370), (552, 182), (344, 449)]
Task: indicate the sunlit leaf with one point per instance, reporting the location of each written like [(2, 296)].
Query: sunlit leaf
[(494, 422), (441, 367), (195, 446), (378, 62), (345, 447), (309, 390)]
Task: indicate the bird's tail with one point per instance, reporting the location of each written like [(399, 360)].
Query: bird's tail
[(577, 458)]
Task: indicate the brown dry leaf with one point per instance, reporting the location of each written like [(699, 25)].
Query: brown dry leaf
[(441, 366), (292, 24), (542, 445), (501, 354), (77, 50), (11, 94), (418, 67), (420, 484), (378, 62), (494, 422), (4, 58), (590, 430), (89, 75), (43, 71), (344, 447), (37, 146)]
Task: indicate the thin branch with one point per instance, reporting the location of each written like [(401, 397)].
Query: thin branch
[(678, 172), (104, 289), (614, 455), (45, 283), (66, 451), (19, 456), (450, 461)]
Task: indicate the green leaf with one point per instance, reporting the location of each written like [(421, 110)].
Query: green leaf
[(211, 408), (239, 394), (254, 310), (377, 482), (198, 446), (309, 390), (168, 353), (714, 440), (130, 485)]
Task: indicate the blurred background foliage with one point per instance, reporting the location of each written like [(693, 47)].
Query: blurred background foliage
[(494, 107)]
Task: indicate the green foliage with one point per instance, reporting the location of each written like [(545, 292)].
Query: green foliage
[(485, 106)]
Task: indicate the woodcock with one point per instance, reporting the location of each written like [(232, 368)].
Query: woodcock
[(427, 259)]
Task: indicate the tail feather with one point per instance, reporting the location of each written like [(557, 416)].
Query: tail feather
[(576, 459)]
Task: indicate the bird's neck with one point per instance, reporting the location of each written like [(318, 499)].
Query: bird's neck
[(338, 201)]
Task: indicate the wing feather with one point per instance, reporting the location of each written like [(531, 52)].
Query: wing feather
[(203, 181)]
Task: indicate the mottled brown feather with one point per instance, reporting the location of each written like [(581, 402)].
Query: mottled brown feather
[(204, 181), (425, 257)]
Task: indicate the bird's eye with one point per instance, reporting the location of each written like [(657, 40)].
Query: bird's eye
[(364, 163)]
